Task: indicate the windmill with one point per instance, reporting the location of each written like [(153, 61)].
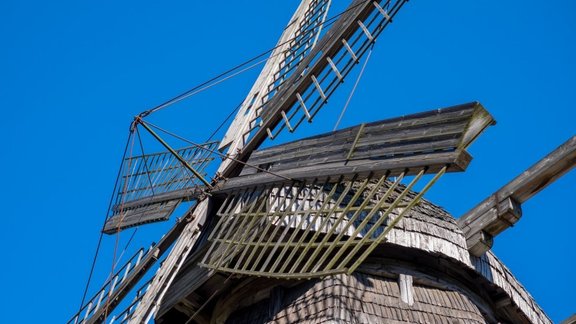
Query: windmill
[(339, 217)]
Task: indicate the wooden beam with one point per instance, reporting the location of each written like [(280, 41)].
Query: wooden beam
[(298, 82), (185, 194), (119, 293), (165, 275), (503, 209), (458, 161), (149, 209), (235, 137)]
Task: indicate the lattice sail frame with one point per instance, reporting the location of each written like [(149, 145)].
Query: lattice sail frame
[(309, 229), (152, 186), (297, 40), (342, 200)]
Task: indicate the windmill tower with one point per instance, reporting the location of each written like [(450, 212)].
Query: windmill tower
[(332, 228)]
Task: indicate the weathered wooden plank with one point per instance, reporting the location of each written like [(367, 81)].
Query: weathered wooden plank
[(502, 209), (426, 139), (374, 152), (143, 214), (458, 161), (183, 194), (543, 173), (432, 139), (426, 120), (398, 140)]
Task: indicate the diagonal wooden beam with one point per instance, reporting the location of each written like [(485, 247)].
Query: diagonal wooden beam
[(310, 68), (145, 264), (503, 208)]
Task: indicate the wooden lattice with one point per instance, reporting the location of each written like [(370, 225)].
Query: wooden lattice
[(152, 186), (308, 229)]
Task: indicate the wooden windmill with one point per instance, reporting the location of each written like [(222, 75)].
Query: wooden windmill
[(331, 228)]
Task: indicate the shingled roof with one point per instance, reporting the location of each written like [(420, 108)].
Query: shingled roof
[(422, 274)]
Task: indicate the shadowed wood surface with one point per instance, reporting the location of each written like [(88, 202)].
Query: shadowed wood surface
[(360, 298)]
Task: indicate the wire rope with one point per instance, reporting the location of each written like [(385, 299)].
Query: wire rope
[(216, 80), (353, 89), (236, 70), (104, 223), (224, 156)]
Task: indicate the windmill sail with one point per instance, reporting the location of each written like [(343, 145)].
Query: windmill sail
[(298, 38), (303, 91), (431, 139), (307, 89), (341, 201), (317, 207), (302, 73), (153, 185)]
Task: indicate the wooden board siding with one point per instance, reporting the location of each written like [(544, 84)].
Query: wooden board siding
[(430, 228), (433, 140), (427, 230), (359, 298)]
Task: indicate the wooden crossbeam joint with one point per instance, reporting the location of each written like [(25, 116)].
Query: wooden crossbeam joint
[(479, 243), (481, 230), (138, 120)]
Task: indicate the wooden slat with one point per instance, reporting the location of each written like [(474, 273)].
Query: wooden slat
[(142, 214), (458, 161), (433, 140), (391, 128), (502, 209), (182, 194), (354, 218)]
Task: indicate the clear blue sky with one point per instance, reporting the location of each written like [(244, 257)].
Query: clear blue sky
[(73, 73)]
